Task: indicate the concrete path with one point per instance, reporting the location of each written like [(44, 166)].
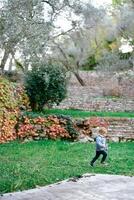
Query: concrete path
[(88, 187)]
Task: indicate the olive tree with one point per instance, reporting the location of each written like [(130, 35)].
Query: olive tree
[(122, 14), (27, 26), (74, 48)]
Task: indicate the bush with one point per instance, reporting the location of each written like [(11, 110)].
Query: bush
[(49, 127), (8, 111), (45, 85), (12, 98), (70, 126), (21, 97)]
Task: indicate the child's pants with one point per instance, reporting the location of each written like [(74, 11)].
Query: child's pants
[(98, 153)]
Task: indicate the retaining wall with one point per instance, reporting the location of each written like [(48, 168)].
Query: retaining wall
[(119, 129), (103, 92)]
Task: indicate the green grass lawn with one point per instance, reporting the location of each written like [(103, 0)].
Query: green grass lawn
[(32, 164), (82, 114)]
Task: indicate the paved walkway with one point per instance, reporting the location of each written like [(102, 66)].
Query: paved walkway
[(88, 187)]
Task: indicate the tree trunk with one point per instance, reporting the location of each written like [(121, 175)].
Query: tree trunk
[(10, 64), (4, 60), (80, 80)]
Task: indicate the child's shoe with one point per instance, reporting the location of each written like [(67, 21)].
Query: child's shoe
[(104, 164)]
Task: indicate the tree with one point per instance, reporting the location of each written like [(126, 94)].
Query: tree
[(116, 2), (73, 49), (45, 84), (114, 62), (123, 15), (26, 27)]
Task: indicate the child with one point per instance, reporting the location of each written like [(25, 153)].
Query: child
[(101, 146)]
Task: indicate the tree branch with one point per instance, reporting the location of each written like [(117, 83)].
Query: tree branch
[(50, 4)]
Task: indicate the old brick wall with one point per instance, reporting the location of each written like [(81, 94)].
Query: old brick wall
[(121, 129), (98, 92)]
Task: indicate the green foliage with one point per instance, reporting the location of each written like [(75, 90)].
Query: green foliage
[(45, 84), (124, 56), (117, 2), (69, 126), (19, 66), (90, 64)]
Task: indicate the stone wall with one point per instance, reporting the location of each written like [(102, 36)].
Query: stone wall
[(119, 129), (99, 81), (103, 92)]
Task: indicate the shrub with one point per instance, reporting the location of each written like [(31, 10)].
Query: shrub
[(21, 97), (70, 126), (51, 127), (45, 84), (57, 127), (9, 111), (12, 98), (56, 131)]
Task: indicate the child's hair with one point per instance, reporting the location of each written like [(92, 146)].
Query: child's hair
[(103, 131)]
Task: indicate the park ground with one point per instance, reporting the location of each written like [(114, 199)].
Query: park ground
[(39, 163)]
